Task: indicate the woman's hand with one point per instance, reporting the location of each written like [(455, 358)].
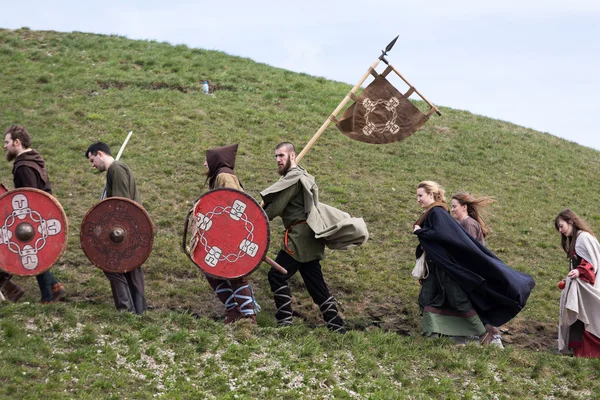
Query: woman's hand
[(573, 274), (416, 227)]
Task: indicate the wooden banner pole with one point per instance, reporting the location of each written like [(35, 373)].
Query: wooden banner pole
[(416, 91), (337, 110)]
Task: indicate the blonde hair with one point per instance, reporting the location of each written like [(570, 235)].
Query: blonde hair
[(434, 189)]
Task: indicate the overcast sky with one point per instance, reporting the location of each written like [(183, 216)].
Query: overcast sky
[(533, 63)]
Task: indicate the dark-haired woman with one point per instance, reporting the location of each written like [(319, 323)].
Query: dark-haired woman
[(579, 322), (467, 286)]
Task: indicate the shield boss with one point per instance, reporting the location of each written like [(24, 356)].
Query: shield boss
[(34, 231), (117, 235), (229, 233)]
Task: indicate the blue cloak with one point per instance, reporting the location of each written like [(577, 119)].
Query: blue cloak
[(496, 291)]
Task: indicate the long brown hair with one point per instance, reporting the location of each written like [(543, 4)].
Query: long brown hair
[(474, 206), (568, 243)]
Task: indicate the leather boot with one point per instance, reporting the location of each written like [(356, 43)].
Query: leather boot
[(225, 293), (492, 336), (231, 315), (12, 291), (58, 291)]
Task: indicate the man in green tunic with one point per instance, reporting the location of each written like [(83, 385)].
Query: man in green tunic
[(301, 250), (127, 288)]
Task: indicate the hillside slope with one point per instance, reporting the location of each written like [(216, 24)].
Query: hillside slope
[(70, 89)]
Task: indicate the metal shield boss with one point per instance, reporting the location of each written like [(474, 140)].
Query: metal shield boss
[(33, 231), (117, 235), (229, 233)]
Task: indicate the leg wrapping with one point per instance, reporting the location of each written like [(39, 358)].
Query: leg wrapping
[(244, 296), (330, 314), (283, 302)]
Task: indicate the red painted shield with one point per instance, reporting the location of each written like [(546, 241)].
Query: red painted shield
[(34, 231), (229, 234), (117, 235)]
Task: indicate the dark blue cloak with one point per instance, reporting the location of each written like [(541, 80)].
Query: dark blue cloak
[(496, 291)]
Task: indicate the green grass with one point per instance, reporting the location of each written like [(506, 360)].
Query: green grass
[(70, 89), (172, 354)]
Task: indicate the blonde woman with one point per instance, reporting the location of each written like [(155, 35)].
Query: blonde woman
[(467, 285)]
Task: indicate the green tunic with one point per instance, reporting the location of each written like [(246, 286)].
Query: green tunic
[(121, 183), (289, 205)]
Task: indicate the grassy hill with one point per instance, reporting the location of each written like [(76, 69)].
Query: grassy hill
[(70, 89)]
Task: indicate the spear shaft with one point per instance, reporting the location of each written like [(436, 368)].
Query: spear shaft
[(103, 195)]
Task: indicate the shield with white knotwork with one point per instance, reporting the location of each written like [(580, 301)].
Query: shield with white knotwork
[(229, 233), (117, 235), (34, 231)]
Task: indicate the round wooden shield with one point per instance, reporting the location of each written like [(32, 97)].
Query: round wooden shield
[(117, 235), (229, 233), (34, 231)]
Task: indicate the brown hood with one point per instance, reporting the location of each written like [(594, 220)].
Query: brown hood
[(32, 159), (220, 160)]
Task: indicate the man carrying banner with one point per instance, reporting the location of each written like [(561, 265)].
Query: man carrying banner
[(29, 171), (235, 294), (127, 288), (310, 225)]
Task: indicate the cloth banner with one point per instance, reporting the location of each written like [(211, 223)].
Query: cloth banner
[(381, 114)]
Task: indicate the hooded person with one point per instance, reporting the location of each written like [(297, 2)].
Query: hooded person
[(29, 171), (235, 294)]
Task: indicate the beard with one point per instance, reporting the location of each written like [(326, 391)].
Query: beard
[(10, 156), (285, 168)]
